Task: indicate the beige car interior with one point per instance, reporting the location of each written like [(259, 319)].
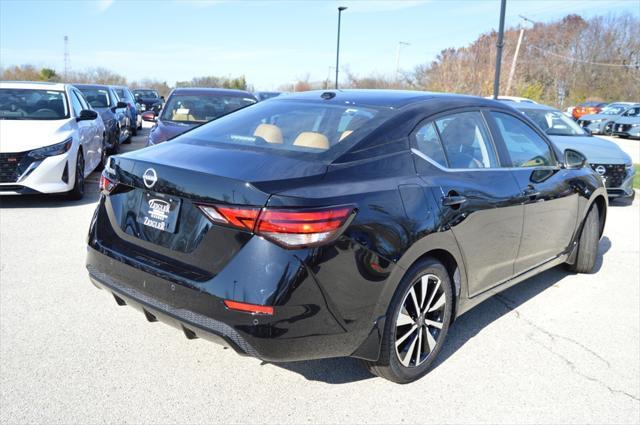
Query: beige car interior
[(269, 132), (311, 139)]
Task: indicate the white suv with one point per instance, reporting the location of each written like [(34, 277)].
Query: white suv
[(50, 139)]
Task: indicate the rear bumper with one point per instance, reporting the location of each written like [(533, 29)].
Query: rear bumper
[(193, 325), (301, 328)]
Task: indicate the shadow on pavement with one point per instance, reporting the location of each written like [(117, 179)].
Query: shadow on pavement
[(345, 370)]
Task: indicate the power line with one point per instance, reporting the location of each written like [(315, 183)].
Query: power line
[(619, 65)]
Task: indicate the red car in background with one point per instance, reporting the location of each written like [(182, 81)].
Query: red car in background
[(587, 108)]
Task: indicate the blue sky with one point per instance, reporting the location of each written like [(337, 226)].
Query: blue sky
[(270, 42)]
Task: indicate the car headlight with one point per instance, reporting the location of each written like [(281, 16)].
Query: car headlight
[(53, 150), (143, 107), (635, 125)]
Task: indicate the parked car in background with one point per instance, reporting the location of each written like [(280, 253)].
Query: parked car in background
[(187, 108), (135, 117), (602, 123), (264, 95), (342, 223), (628, 125), (605, 157), (50, 139), (587, 108), (149, 100), (103, 99)]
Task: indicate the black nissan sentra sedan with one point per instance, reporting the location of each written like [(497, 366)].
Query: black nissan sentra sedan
[(342, 223)]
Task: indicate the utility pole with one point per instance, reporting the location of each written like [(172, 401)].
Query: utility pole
[(513, 63), (401, 44), (515, 55), (340, 9), (66, 58), (499, 45)]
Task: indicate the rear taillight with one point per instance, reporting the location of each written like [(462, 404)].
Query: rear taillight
[(293, 228), (241, 217), (287, 227), (106, 185)]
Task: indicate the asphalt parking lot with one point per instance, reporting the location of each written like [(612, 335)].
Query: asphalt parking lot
[(556, 348)]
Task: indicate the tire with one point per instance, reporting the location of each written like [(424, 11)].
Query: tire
[(431, 326), (588, 244), (77, 192)]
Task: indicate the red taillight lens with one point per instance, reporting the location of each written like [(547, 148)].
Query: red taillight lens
[(288, 228), (249, 308), (293, 228), (241, 217), (106, 185)]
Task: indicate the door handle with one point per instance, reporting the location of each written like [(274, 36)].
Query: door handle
[(453, 200), (531, 192)]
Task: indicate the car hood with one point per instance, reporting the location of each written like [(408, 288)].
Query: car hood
[(165, 130), (592, 117), (628, 120), (596, 150), (26, 135)]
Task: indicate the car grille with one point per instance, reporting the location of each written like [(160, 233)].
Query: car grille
[(623, 127), (614, 174), (9, 163)]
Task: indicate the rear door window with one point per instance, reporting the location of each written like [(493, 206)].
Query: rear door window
[(466, 141)]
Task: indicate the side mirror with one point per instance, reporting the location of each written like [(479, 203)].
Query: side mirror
[(121, 105), (149, 116), (87, 115), (573, 159), (162, 97)]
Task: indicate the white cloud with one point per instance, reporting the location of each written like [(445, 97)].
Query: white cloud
[(103, 5)]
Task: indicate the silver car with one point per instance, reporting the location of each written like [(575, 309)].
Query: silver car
[(602, 123), (605, 157), (628, 125)]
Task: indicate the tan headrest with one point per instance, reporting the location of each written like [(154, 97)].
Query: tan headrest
[(182, 117), (345, 134), (269, 132), (311, 139)]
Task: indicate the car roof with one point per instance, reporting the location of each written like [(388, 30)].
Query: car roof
[(33, 85), (210, 91), (383, 98)]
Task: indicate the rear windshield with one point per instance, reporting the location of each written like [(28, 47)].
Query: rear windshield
[(147, 94), (290, 127), (97, 98), (200, 108), (26, 104)]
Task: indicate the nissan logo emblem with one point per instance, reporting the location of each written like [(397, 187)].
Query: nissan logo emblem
[(601, 170), (150, 177)]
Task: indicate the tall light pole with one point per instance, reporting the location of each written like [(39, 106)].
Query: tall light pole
[(499, 45), (340, 9), (401, 44)]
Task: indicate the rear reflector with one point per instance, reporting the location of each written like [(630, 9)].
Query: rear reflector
[(106, 185), (286, 227), (249, 308)]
